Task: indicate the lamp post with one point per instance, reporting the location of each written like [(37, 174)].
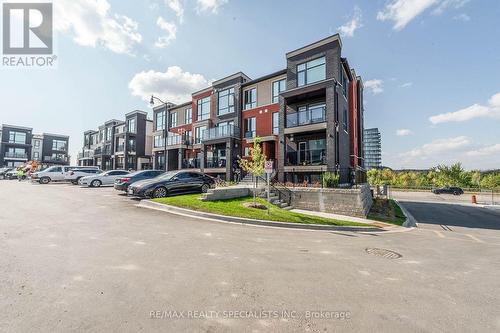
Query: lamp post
[(165, 126)]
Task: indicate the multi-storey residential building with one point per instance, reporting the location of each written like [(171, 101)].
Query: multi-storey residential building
[(19, 144), (119, 144), (373, 148)]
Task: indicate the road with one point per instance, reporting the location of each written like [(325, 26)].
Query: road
[(74, 259)]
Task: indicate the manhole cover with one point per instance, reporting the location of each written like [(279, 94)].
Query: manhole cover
[(383, 253)]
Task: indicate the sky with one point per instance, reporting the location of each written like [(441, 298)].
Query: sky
[(431, 68)]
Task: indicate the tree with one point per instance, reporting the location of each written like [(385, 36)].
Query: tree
[(254, 165)]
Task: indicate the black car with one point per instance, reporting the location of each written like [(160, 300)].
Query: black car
[(123, 183), (448, 190), (171, 183), (3, 172)]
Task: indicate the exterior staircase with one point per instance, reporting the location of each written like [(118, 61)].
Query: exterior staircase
[(280, 197)]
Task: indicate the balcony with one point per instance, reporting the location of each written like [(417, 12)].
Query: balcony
[(215, 162), (306, 157), (313, 115), (191, 163), (10, 154), (120, 148), (87, 154), (56, 159), (220, 132)]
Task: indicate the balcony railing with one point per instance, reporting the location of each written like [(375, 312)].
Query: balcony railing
[(221, 132), (55, 159), (216, 162), (120, 148), (11, 154), (250, 134), (86, 154), (306, 157), (306, 117), (191, 163)]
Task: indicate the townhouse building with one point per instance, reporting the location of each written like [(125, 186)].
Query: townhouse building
[(119, 144), (19, 144)]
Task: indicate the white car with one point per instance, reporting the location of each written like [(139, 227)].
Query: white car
[(54, 173), (102, 179), (76, 174)]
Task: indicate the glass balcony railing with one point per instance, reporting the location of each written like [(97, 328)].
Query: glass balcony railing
[(191, 163), (56, 159), (216, 162), (306, 117), (306, 157), (11, 154), (221, 132)]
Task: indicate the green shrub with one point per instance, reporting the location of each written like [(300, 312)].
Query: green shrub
[(330, 179)]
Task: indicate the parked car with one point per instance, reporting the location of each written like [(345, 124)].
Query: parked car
[(123, 183), (172, 183), (102, 179), (3, 172), (75, 175), (448, 190), (54, 173), (11, 174)]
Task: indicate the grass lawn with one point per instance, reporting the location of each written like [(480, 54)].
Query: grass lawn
[(388, 211), (234, 207)]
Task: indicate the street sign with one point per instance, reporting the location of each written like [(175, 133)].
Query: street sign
[(268, 167)]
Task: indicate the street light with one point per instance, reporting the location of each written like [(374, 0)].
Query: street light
[(165, 126)]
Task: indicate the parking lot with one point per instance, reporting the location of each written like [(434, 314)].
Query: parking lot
[(88, 259)]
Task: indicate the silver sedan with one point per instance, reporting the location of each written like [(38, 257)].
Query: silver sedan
[(103, 179)]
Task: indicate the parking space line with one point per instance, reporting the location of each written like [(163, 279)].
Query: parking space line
[(440, 234), (474, 238)]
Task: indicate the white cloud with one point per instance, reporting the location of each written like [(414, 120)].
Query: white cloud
[(376, 86), (170, 29), (407, 85), (177, 7), (404, 132), (174, 85), (485, 151), (209, 6), (402, 12), (492, 110), (348, 29), (462, 17), (91, 23)]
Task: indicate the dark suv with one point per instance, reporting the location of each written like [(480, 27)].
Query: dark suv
[(448, 190), (123, 183)]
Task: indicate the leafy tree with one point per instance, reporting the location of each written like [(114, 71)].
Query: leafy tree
[(254, 165)]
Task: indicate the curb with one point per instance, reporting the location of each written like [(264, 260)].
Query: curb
[(147, 204), (410, 222)]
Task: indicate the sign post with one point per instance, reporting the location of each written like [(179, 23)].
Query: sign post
[(268, 167)]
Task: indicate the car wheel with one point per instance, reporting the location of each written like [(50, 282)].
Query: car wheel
[(44, 180), (204, 188), (456, 193), (160, 192), (96, 183)]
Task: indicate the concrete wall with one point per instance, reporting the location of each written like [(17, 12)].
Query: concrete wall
[(351, 202)]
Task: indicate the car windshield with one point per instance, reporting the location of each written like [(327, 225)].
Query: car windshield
[(167, 175)]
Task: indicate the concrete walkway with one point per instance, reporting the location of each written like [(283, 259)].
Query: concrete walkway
[(344, 218)]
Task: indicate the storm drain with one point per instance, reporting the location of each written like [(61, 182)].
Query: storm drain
[(388, 254)]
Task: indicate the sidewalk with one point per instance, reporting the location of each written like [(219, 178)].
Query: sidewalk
[(346, 218)]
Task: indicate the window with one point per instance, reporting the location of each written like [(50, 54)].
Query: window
[(278, 86), (226, 101), (250, 127), (58, 145), (198, 132), (345, 120), (250, 98), (188, 136), (108, 133), (311, 71), (160, 121), (36, 155), (101, 135), (188, 116), (204, 108), (345, 83), (131, 125), (276, 125), (173, 119), (246, 151), (158, 141), (17, 137), (36, 143), (131, 145)]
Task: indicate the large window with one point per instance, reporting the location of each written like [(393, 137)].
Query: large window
[(278, 87), (58, 145), (198, 132), (17, 137), (250, 98), (311, 71), (36, 143), (188, 116), (173, 119), (345, 82), (131, 126), (204, 108), (345, 120), (250, 127), (226, 101), (276, 123), (160, 121), (108, 133), (158, 142)]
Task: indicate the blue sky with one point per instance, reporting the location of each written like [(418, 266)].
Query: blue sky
[(431, 67)]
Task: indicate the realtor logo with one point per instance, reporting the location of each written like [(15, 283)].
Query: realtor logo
[(27, 28)]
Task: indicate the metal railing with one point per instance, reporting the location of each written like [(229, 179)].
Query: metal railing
[(191, 163), (221, 132), (306, 157), (56, 159), (306, 117), (215, 162), (120, 148), (11, 154)]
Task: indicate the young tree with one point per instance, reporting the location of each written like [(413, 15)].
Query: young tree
[(254, 165)]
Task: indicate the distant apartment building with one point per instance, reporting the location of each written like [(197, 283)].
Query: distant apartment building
[(119, 144), (19, 145), (373, 148)]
